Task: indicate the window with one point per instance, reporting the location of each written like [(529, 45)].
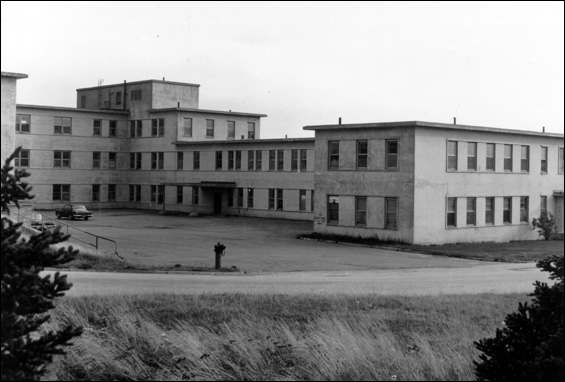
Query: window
[(543, 204), (135, 161), (238, 160), (508, 158), (491, 157), (293, 160), (391, 213), (560, 159), (507, 211), (333, 153), (231, 129), (272, 160), (138, 193), (312, 200), (230, 197), (111, 192), (524, 208), (157, 193), (392, 154), (471, 211), (271, 199), (23, 123), (231, 160), (279, 199), (249, 198), (61, 192), (95, 192), (62, 159), (195, 195), (112, 160), (258, 160), (218, 160), (113, 128), (280, 160), (303, 160), (209, 128), (97, 127), (180, 160), (525, 158), (157, 127), (361, 211), (452, 156), (196, 160), (136, 128), (240, 197), (250, 160), (118, 98), (471, 156), (362, 154), (544, 159), (489, 211), (250, 130), (22, 159), (135, 95), (187, 127), (302, 200), (333, 209), (131, 193), (62, 125), (452, 212), (96, 159), (157, 159), (180, 194)]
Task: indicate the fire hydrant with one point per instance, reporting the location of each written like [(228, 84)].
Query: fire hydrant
[(219, 249)]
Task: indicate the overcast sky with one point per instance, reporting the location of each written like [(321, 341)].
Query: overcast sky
[(488, 64)]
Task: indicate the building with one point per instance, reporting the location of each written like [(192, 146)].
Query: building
[(149, 145), (9, 112)]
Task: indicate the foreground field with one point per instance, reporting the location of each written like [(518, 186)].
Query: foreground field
[(277, 337)]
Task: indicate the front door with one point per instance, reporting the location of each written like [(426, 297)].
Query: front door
[(217, 203)]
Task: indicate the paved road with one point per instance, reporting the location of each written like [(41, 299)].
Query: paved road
[(492, 278)]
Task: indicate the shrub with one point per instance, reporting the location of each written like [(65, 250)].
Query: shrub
[(545, 224), (26, 296), (530, 347)]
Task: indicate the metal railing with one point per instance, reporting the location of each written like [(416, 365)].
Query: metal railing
[(27, 216)]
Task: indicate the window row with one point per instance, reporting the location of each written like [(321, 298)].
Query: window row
[(362, 155), (490, 207), (470, 160), (63, 125), (115, 99), (389, 213)]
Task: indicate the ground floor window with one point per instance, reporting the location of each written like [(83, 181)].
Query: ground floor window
[(62, 192), (157, 193), (391, 213), (180, 194), (195, 196), (361, 211), (333, 209), (279, 199), (471, 211), (524, 209), (111, 192), (489, 211), (271, 199), (249, 198), (302, 200), (95, 192), (452, 212), (507, 212)]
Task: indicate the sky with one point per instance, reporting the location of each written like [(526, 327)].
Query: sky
[(495, 64)]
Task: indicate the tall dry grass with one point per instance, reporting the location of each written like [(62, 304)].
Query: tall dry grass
[(247, 337)]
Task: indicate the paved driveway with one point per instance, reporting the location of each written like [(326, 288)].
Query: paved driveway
[(253, 244)]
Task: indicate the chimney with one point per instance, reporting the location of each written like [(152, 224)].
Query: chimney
[(543, 129), (163, 78), (340, 120), (454, 121), (178, 105)]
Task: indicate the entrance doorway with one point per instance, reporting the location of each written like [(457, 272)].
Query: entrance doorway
[(218, 203)]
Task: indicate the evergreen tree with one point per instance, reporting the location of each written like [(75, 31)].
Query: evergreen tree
[(531, 345), (26, 296)]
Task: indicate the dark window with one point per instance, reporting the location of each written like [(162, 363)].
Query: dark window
[(230, 197), (187, 127), (544, 159), (507, 211), (118, 98), (111, 192), (157, 159), (249, 198), (489, 211), (471, 211), (231, 160), (231, 129), (138, 193), (272, 160), (333, 155), (391, 213), (392, 154), (180, 160), (240, 197), (61, 192), (452, 156), (471, 156), (258, 160), (452, 212), (280, 160), (293, 160), (97, 127), (303, 160), (62, 159), (491, 157), (113, 128), (362, 154), (271, 199), (250, 160), (157, 193), (238, 160), (96, 159), (132, 193), (525, 158), (508, 158), (302, 200), (112, 160), (136, 128), (250, 130), (23, 123), (62, 125), (158, 127), (95, 192), (361, 211), (210, 128), (333, 209), (196, 160), (22, 159), (524, 208), (218, 160), (135, 95), (195, 195), (279, 199)]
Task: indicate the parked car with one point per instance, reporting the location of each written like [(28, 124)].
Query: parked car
[(43, 225), (73, 211)]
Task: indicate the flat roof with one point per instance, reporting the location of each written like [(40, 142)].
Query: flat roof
[(140, 82), (14, 75), (377, 125), (74, 109), (179, 109), (243, 141)]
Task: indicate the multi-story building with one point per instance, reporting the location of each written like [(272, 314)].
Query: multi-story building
[(148, 145)]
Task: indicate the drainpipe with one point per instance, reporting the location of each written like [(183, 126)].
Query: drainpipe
[(124, 107)]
